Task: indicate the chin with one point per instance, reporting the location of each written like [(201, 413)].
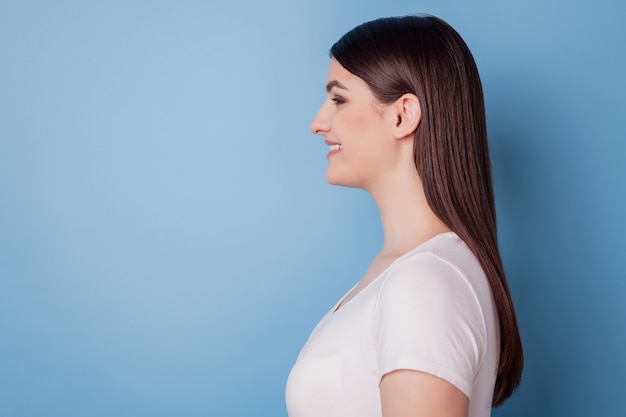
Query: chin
[(332, 180), (335, 178)]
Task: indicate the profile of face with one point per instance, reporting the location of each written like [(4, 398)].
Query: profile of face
[(362, 133)]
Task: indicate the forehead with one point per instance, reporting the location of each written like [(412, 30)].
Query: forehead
[(336, 72)]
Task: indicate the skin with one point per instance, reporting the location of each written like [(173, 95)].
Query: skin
[(377, 156)]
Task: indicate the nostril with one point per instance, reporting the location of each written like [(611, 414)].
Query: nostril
[(315, 128), (319, 124), (318, 127)]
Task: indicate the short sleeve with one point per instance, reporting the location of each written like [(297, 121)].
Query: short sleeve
[(428, 319)]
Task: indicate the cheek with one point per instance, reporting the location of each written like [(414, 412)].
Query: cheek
[(361, 119), (354, 126)]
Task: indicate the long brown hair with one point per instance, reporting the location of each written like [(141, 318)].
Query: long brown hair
[(425, 56)]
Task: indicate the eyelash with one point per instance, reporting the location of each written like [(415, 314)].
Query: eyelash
[(337, 100)]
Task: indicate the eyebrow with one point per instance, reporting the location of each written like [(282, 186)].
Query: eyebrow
[(334, 83)]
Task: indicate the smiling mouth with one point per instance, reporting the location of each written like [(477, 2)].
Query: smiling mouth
[(334, 149)]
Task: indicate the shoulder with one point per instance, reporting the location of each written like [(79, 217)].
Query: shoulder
[(443, 266), (428, 316), (437, 287)]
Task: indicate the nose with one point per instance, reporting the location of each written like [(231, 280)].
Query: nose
[(320, 124)]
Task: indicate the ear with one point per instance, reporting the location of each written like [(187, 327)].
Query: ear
[(408, 114)]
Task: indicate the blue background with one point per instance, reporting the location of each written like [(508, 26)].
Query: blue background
[(168, 241)]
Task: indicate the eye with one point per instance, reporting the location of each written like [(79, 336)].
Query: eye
[(337, 100)]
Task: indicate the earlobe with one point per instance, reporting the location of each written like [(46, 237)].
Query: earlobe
[(409, 115)]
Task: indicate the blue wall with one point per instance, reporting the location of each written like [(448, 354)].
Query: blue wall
[(167, 240)]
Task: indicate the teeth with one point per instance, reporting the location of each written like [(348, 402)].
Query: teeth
[(335, 147)]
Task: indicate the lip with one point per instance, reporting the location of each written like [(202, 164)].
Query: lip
[(334, 151)]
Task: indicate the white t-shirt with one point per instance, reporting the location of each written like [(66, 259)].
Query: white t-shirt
[(431, 311)]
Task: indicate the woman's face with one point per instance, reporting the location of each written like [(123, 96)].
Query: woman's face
[(357, 129)]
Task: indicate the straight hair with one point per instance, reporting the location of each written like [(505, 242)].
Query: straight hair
[(425, 56)]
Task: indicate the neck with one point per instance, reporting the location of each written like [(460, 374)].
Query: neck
[(406, 217)]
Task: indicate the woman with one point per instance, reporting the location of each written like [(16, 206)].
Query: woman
[(430, 330)]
